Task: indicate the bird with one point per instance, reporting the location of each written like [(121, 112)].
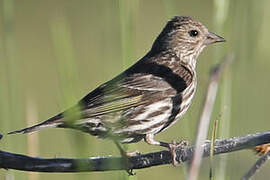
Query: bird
[(148, 97)]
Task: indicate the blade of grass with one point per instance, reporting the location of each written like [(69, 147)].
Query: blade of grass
[(128, 10), (12, 80), (220, 17), (68, 75), (206, 116), (32, 139), (213, 138), (62, 42)]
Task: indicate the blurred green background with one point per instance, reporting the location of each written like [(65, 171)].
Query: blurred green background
[(52, 53)]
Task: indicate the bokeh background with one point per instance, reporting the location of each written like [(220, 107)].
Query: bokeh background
[(53, 52)]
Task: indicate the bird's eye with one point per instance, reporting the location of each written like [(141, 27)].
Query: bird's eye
[(193, 33)]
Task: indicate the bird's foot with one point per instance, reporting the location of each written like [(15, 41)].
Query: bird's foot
[(173, 147), (126, 155)]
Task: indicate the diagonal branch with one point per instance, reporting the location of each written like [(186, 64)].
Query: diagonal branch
[(25, 163), (256, 167)]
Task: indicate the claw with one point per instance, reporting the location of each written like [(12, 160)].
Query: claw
[(126, 155), (173, 146), (130, 172), (177, 146)]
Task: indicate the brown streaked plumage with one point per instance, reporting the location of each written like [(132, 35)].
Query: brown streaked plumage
[(148, 97)]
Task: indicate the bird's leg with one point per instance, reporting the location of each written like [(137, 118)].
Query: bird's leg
[(149, 138), (126, 155)]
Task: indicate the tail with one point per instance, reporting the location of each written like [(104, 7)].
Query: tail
[(52, 122)]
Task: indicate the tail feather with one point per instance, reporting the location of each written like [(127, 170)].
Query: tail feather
[(52, 122)]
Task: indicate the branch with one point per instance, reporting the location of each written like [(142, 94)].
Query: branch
[(256, 167), (25, 163)]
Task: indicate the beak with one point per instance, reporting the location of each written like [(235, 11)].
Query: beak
[(213, 38)]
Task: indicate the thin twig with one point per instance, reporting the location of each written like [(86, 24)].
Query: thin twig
[(213, 138), (25, 163), (206, 116), (256, 167)]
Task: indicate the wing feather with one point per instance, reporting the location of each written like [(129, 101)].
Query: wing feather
[(122, 93)]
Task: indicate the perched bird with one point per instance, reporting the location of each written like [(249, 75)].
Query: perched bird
[(149, 96)]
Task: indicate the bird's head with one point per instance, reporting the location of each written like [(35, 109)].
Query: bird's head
[(186, 37)]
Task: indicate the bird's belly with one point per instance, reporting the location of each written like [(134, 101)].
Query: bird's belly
[(146, 119), (186, 98)]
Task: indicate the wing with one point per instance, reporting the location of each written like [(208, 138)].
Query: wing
[(121, 93), (133, 87)]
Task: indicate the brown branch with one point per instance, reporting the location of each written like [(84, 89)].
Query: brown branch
[(26, 163)]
